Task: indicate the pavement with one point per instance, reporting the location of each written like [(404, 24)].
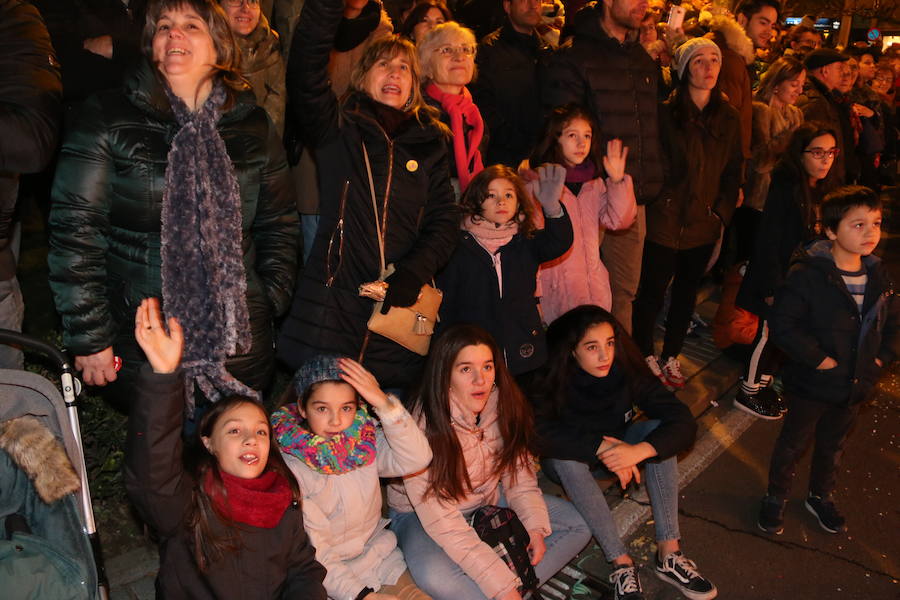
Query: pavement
[(722, 480)]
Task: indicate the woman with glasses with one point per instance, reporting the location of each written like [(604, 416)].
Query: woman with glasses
[(789, 221), (447, 56), (384, 192), (175, 186), (261, 61)]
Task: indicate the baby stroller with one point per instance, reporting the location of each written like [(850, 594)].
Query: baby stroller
[(49, 547)]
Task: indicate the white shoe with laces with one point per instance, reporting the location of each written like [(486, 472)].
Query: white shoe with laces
[(653, 363), (671, 371)]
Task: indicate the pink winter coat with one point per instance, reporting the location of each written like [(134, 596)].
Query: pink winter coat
[(579, 276), (446, 522)]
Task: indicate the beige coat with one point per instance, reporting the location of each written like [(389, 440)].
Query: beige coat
[(446, 522), (342, 513)]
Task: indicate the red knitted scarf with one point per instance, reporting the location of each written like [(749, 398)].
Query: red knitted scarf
[(259, 502), (461, 108)]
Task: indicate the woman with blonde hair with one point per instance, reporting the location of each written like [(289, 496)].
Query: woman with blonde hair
[(385, 196)]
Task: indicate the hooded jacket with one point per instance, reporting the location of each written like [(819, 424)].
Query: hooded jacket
[(410, 178), (618, 83), (105, 217), (263, 66), (734, 79), (816, 317)]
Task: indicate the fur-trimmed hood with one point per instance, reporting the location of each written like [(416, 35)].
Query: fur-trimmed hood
[(727, 31), (41, 456)]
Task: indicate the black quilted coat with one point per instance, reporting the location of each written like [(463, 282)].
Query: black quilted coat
[(105, 219), (412, 189)]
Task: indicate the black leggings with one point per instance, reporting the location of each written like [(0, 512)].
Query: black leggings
[(685, 269)]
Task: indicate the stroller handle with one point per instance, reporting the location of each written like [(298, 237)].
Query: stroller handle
[(10, 337)]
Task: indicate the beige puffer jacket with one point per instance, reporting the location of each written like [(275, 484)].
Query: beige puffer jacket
[(446, 522)]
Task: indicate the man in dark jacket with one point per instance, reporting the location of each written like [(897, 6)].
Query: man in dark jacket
[(605, 68), (30, 99), (819, 103), (507, 84)]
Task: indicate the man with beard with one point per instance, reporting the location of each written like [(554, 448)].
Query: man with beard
[(605, 68)]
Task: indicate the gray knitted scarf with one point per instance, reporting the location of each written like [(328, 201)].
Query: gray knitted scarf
[(203, 280)]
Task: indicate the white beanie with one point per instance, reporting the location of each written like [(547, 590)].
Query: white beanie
[(687, 50)]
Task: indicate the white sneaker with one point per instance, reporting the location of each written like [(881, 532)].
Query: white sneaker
[(671, 372), (653, 363)]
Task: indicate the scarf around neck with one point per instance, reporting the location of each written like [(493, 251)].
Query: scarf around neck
[(492, 237), (460, 108), (351, 449), (204, 284), (259, 502), (582, 173)]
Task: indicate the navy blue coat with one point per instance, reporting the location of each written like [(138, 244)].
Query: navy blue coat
[(816, 317), (472, 291)]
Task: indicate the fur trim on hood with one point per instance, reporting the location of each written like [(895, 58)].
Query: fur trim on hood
[(733, 35), (41, 456)]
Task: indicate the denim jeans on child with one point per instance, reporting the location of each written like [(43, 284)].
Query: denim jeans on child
[(443, 579), (661, 479)]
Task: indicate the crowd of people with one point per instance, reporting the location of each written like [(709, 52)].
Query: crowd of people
[(238, 186)]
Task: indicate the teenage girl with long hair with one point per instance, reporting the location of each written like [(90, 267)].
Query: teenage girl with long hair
[(480, 429), (790, 220), (585, 403), (229, 524)]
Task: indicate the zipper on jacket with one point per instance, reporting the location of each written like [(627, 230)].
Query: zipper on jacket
[(339, 231)]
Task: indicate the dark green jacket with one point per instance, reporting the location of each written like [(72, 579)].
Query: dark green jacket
[(107, 198)]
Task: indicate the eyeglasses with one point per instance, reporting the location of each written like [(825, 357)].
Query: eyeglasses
[(465, 50), (239, 3), (819, 153)]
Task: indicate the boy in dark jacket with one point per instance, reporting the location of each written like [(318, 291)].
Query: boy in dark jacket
[(838, 321)]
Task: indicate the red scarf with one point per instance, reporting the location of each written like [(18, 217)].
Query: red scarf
[(259, 502), (461, 108)]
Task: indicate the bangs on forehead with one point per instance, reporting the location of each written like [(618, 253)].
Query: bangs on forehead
[(390, 50)]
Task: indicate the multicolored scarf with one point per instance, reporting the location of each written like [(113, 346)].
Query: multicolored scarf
[(351, 449), (259, 502), (460, 108)]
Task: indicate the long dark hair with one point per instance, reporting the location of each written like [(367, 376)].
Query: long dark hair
[(548, 149), (417, 15), (477, 191), (563, 336), (209, 544), (684, 105), (449, 477)]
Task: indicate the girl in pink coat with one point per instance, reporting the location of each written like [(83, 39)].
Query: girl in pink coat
[(594, 203)]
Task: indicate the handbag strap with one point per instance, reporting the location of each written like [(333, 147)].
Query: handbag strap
[(378, 230)]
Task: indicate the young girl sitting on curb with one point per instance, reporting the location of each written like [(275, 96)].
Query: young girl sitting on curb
[(230, 525), (338, 452)]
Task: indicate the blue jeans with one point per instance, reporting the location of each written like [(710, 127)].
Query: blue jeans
[(440, 577), (661, 479)]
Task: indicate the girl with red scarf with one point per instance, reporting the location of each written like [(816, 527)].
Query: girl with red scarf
[(230, 524)]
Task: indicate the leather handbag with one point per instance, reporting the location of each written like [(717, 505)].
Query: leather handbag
[(408, 326)]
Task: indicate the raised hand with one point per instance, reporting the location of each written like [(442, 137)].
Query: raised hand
[(363, 382), (614, 160), (548, 188), (163, 349)]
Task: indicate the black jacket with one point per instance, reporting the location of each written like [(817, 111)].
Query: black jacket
[(703, 174), (788, 224), (472, 291), (820, 104), (411, 180), (816, 317), (595, 407), (105, 218), (618, 83), (272, 563), (506, 92), (30, 106)]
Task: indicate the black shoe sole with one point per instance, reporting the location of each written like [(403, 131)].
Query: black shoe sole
[(813, 512), (779, 531), (750, 411)]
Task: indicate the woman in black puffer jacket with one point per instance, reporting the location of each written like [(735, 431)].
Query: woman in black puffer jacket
[(114, 238), (381, 144)]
